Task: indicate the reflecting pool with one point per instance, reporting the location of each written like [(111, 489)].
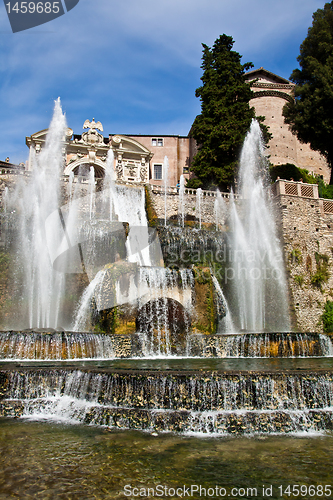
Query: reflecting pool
[(54, 461)]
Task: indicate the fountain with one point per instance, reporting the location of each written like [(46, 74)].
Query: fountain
[(149, 347), (42, 287), (257, 266), (166, 185), (181, 207), (198, 206)]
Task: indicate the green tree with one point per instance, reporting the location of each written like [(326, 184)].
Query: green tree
[(311, 115), (225, 114)]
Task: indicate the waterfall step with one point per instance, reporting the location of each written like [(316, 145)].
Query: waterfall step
[(32, 345), (211, 402)]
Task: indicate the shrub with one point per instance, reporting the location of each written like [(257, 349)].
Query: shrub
[(299, 279), (289, 171), (327, 317), (296, 256), (325, 190), (322, 274)]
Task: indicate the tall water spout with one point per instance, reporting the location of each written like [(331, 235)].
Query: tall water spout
[(219, 209), (92, 191), (42, 285), (181, 206), (198, 205), (70, 186), (109, 181), (5, 198), (166, 185), (258, 279)]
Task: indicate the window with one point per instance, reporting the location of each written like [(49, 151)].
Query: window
[(157, 141), (158, 171)]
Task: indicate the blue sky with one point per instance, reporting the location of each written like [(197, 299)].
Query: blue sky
[(134, 65)]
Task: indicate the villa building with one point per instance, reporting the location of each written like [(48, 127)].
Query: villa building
[(140, 158), (271, 92)]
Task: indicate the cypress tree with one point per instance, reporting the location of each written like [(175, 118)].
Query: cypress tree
[(225, 115)]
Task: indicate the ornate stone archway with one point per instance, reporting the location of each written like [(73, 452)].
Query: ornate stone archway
[(130, 158), (98, 165)]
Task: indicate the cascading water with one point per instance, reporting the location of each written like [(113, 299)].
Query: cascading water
[(38, 346), (256, 270), (226, 324), (218, 403), (164, 310)]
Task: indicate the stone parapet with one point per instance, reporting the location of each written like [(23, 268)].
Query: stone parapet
[(292, 188)]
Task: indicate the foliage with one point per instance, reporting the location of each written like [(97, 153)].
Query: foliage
[(296, 256), (325, 190), (322, 274), (289, 172), (299, 279), (311, 115), (327, 317), (225, 114), (193, 183)]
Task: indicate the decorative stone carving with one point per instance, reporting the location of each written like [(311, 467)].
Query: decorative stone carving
[(143, 174), (76, 157), (119, 170), (69, 133), (132, 170), (92, 156), (116, 139), (93, 125), (92, 136), (119, 167), (131, 158)]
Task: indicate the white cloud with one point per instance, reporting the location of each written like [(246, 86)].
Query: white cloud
[(133, 62)]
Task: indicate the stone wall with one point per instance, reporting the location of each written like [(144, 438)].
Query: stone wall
[(307, 231), (191, 210)]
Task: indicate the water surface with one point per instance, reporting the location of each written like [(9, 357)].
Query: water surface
[(54, 461)]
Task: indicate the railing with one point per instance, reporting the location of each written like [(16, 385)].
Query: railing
[(301, 190), (292, 188), (158, 189), (14, 171)]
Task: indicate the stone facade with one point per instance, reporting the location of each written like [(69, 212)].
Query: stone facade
[(178, 149), (137, 158), (271, 93), (131, 159)]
